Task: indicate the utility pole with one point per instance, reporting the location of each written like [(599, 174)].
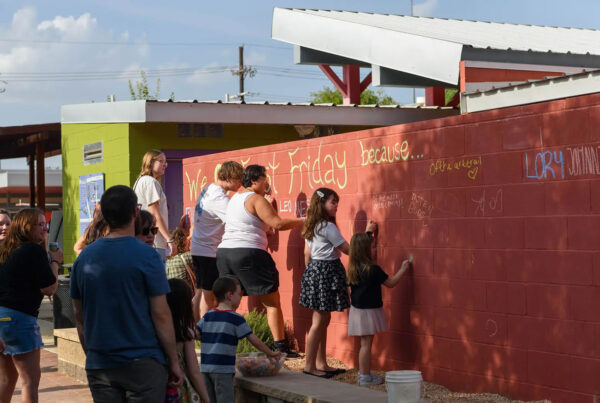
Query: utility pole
[(412, 14), (242, 72)]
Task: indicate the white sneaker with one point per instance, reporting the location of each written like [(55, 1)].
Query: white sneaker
[(369, 380)]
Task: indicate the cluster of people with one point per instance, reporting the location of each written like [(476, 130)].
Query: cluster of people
[(143, 295)]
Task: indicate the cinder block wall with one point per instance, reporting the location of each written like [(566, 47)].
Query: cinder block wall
[(501, 212)]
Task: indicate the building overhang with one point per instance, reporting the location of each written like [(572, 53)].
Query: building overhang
[(247, 113)]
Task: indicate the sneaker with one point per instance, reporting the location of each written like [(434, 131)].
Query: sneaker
[(369, 380), (281, 346)]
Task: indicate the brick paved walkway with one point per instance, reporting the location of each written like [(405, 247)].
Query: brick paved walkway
[(56, 387)]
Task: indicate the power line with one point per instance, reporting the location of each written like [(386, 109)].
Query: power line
[(113, 43), (274, 71)]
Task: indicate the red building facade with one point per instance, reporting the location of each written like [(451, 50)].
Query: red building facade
[(501, 210)]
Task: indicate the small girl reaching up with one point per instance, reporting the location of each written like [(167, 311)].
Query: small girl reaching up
[(324, 284), (366, 311), (180, 303)]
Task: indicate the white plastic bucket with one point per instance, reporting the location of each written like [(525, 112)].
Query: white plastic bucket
[(403, 386)]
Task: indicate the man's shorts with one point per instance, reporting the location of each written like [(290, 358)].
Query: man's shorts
[(254, 268), (206, 271)]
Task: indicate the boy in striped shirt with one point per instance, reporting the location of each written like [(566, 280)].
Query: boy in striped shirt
[(220, 329)]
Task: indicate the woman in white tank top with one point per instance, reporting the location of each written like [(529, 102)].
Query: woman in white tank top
[(243, 250)]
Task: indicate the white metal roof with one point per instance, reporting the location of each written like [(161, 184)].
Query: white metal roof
[(253, 113), (423, 46), (532, 92), (479, 34)]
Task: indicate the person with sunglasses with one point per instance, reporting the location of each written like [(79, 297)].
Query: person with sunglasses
[(145, 227), (26, 276)]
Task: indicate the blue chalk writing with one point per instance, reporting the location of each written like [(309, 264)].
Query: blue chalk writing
[(545, 164)]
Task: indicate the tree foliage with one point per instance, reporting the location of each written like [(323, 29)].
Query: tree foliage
[(330, 95)]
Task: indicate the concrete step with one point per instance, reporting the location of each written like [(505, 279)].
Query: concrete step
[(290, 386)]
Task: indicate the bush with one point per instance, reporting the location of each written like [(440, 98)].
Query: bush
[(260, 327)]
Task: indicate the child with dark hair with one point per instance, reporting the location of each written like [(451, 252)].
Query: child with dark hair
[(220, 329), (367, 317), (180, 303)]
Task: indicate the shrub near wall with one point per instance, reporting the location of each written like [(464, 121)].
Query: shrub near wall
[(501, 210)]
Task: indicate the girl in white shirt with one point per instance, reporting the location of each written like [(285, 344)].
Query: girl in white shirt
[(324, 286), (151, 196)]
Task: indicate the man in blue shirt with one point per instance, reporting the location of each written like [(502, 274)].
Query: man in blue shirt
[(119, 288)]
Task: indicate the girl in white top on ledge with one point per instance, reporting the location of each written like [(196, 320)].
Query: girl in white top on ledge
[(151, 196), (243, 251)]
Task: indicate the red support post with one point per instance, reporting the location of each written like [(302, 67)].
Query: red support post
[(435, 96), (350, 87), (352, 81)]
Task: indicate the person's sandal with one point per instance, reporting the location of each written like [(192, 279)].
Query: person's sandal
[(336, 371), (324, 376)]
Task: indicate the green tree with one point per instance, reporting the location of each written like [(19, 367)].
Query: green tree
[(329, 95), (141, 90)]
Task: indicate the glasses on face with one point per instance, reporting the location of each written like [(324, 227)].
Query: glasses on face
[(147, 231), (44, 226)]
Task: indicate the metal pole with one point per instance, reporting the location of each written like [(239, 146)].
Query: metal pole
[(414, 99), (241, 71)]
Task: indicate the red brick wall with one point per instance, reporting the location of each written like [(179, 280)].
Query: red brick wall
[(501, 212)]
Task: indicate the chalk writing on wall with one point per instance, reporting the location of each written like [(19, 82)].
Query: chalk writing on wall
[(387, 200), (313, 170), (419, 206), (386, 153), (584, 160), (492, 202), (298, 208), (194, 186), (545, 165), (469, 165)]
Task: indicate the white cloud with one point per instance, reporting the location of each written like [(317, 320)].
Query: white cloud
[(60, 45), (426, 8)]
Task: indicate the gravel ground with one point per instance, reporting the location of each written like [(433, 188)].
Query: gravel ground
[(431, 391)]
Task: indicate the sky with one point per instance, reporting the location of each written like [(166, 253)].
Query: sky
[(60, 52)]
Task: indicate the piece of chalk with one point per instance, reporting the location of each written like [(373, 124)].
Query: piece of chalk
[(410, 257)]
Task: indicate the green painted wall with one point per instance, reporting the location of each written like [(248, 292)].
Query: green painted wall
[(115, 138)]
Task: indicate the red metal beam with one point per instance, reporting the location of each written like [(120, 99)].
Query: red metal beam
[(339, 84), (435, 96), (352, 81), (366, 82), (350, 87), (31, 161), (41, 176)]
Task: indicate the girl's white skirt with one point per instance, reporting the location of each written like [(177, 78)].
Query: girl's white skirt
[(363, 322)]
